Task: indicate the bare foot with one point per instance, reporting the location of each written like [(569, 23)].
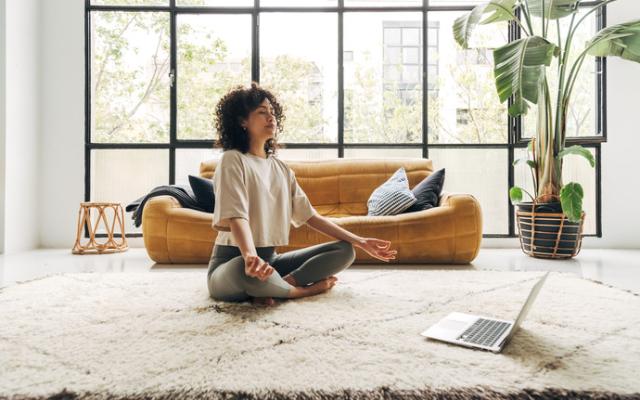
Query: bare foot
[(314, 289), (290, 280), (264, 301)]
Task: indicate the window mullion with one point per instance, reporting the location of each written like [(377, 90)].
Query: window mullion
[(340, 79), (425, 80), (255, 42), (173, 107)]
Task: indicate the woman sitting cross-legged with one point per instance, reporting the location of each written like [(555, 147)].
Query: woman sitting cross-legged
[(257, 197)]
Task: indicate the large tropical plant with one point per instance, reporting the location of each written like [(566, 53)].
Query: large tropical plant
[(520, 71)]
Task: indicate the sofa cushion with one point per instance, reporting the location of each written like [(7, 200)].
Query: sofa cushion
[(392, 197), (428, 192), (342, 182), (203, 191)]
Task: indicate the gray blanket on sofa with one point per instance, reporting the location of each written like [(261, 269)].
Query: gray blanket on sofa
[(182, 193)]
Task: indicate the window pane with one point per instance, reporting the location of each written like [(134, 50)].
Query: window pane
[(298, 3), (214, 55), (393, 55), (188, 162), (215, 3), (433, 34), (129, 77), (575, 169), (307, 154), (303, 77), (482, 173), (411, 37), (411, 74), (382, 3), (130, 2), (383, 87), (581, 120), (411, 55), (123, 176), (463, 83), (382, 153), (392, 36)]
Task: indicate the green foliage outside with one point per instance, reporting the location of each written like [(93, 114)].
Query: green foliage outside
[(131, 100)]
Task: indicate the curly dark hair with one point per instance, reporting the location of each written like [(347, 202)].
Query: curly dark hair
[(235, 106)]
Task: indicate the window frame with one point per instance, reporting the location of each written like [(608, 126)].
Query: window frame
[(513, 125)]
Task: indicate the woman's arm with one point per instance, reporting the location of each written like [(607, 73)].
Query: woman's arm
[(253, 265), (324, 225), (377, 248), (241, 233)]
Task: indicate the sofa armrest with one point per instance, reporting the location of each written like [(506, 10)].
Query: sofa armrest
[(467, 220), (457, 200), (164, 220), (170, 208), (456, 224)]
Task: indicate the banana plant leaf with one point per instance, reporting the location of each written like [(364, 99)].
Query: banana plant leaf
[(501, 10), (580, 151), (553, 9), (622, 40), (519, 70)]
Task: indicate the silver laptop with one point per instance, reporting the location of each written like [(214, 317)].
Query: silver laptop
[(481, 332)]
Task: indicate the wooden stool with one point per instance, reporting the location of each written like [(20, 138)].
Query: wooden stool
[(84, 217)]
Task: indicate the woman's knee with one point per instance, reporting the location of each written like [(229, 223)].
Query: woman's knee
[(226, 281), (273, 286), (348, 250)]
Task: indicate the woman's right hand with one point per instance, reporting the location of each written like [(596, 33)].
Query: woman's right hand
[(256, 267)]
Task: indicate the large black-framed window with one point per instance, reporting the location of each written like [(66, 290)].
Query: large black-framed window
[(375, 85)]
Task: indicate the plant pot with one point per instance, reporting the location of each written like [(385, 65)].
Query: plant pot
[(545, 232)]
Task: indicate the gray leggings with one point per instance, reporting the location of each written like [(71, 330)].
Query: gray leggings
[(227, 280)]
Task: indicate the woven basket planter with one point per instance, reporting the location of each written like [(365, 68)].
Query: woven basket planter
[(545, 232)]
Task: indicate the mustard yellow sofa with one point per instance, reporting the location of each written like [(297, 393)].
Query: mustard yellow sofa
[(338, 189)]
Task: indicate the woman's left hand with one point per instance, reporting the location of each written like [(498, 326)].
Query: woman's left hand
[(377, 248)]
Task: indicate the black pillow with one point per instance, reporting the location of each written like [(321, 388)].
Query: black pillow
[(203, 190), (428, 192)]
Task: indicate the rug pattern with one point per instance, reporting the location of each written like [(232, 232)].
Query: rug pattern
[(148, 335)]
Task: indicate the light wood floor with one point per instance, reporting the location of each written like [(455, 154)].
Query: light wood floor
[(618, 268)]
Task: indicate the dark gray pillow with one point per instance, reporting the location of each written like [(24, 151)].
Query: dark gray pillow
[(428, 192), (203, 191)]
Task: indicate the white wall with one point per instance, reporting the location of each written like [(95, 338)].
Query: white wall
[(620, 189), (62, 132), (22, 118), (2, 120), (62, 115)]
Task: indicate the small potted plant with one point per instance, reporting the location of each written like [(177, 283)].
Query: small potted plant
[(551, 224)]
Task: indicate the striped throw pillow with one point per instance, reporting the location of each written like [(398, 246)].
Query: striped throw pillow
[(392, 197)]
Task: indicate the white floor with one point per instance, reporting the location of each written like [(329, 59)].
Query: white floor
[(618, 268)]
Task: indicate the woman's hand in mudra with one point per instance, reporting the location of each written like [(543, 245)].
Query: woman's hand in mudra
[(378, 248), (258, 268)]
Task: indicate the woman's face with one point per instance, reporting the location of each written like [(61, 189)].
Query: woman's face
[(261, 123)]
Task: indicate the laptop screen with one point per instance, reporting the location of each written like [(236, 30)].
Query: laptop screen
[(527, 306)]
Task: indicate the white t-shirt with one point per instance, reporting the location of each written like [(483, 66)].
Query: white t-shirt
[(263, 191)]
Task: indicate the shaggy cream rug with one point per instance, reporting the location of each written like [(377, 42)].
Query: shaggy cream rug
[(158, 335)]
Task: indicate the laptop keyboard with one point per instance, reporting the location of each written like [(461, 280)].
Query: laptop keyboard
[(484, 332)]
